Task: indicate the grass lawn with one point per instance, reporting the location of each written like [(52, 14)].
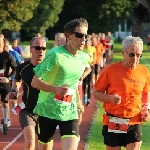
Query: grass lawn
[(95, 138)]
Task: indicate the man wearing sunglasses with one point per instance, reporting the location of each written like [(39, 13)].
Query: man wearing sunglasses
[(24, 75), (57, 78), (124, 89)]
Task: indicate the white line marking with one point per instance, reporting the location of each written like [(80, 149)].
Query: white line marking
[(13, 141)]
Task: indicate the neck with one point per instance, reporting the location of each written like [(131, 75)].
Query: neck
[(34, 62), (127, 66), (71, 50)]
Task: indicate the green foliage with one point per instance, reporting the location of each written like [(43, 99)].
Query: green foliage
[(14, 13), (45, 15), (105, 15), (101, 15)]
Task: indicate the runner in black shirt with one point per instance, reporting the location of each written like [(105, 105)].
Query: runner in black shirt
[(24, 75), (6, 62)]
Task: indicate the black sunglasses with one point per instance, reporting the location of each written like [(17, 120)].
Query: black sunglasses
[(38, 48), (133, 55), (80, 35)]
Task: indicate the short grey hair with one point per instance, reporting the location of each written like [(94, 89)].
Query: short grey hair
[(130, 40), (36, 38), (60, 35)]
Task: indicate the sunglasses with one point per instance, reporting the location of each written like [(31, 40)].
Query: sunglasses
[(80, 35), (133, 55), (38, 48)]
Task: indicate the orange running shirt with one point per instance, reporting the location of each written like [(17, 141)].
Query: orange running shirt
[(127, 83), (99, 50)]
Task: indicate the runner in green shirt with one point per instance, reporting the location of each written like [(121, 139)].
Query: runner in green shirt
[(57, 77)]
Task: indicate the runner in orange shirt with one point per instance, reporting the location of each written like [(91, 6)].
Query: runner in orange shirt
[(124, 89), (100, 50)]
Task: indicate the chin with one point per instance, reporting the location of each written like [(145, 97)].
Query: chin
[(81, 48)]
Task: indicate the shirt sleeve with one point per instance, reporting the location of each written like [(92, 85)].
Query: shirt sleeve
[(18, 72), (17, 58), (103, 81), (46, 65), (13, 65)]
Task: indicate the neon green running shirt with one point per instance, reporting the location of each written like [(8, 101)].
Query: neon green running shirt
[(90, 51), (59, 67)]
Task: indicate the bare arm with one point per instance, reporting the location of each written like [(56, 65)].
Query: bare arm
[(16, 84), (146, 98), (13, 94), (86, 72), (115, 99), (41, 85)]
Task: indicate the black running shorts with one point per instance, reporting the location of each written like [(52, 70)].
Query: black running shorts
[(47, 127), (4, 90), (27, 117), (133, 135)]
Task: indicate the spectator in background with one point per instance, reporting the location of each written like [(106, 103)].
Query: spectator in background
[(87, 81), (100, 50), (148, 42), (124, 89), (17, 48), (38, 35), (58, 36), (15, 55), (62, 41), (112, 40), (106, 44), (9, 47)]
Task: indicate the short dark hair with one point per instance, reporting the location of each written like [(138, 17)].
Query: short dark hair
[(15, 39), (71, 25)]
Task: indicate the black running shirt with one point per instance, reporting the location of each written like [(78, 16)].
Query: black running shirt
[(24, 73), (6, 61)]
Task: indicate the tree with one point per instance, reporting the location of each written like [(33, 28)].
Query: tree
[(105, 15), (13, 13), (101, 15), (45, 16)]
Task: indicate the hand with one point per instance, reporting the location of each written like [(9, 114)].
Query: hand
[(145, 117), (11, 95), (115, 99), (145, 114), (62, 90), (4, 80)]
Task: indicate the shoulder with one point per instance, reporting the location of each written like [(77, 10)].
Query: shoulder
[(57, 49), (114, 66), (142, 68), (25, 64)]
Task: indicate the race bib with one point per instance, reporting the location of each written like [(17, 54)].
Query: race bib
[(118, 125), (67, 99), (1, 73)]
